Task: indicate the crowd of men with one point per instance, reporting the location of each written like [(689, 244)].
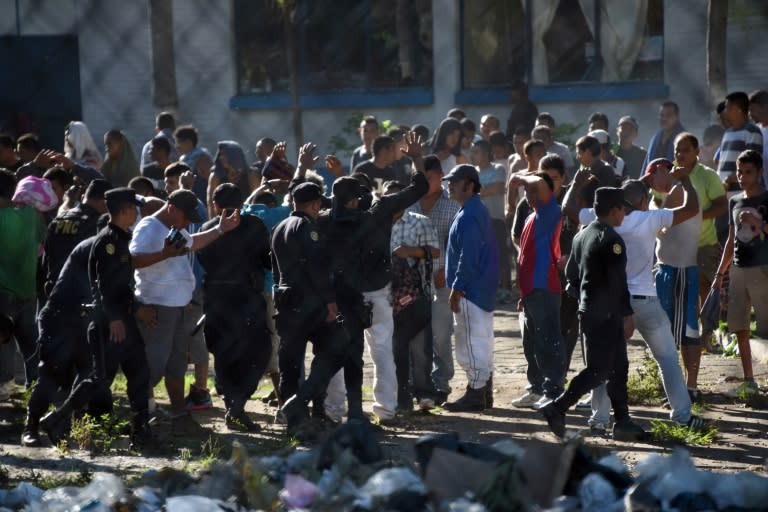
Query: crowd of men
[(178, 257)]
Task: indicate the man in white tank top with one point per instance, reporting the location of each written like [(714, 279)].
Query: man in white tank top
[(677, 273)]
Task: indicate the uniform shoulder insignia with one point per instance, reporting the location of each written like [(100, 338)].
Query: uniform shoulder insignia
[(110, 249), (616, 248), (313, 235)]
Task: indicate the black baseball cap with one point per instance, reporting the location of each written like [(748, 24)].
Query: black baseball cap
[(97, 188), (345, 189), (121, 195), (186, 201), (610, 197), (306, 192), (463, 172)]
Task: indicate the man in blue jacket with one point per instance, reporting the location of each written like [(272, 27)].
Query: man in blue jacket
[(472, 273)]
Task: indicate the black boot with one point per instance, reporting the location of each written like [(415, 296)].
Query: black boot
[(355, 406), (474, 400), (489, 392), (238, 419), (141, 433), (56, 425), (295, 411), (31, 434)]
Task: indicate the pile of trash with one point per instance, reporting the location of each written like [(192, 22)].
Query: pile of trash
[(348, 472)]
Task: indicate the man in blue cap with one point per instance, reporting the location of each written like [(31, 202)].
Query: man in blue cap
[(472, 274)]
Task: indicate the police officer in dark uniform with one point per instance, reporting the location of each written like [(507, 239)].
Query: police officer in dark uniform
[(596, 273), (306, 307), (354, 239), (113, 337), (235, 310), (72, 227), (62, 326)]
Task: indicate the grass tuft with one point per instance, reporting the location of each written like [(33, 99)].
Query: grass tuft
[(667, 432), (644, 386), (96, 435)]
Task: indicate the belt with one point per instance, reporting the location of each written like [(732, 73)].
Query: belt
[(641, 297)]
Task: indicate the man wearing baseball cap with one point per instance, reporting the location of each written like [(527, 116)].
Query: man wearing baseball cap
[(472, 274), (165, 282)]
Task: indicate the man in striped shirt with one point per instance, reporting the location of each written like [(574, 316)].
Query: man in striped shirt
[(740, 136)]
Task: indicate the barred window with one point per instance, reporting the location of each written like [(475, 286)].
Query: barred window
[(561, 41), (340, 45)]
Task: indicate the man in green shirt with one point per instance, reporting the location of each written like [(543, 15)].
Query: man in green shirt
[(713, 203), (21, 233)]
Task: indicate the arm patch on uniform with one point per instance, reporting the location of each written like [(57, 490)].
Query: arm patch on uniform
[(617, 248)]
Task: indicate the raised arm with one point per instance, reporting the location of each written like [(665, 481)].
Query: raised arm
[(690, 206), (571, 204)]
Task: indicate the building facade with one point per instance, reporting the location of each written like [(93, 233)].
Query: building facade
[(405, 61)]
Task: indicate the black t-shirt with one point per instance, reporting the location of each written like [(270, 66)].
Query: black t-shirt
[(751, 246), (249, 242), (633, 161), (359, 155), (604, 174), (376, 174), (402, 170)]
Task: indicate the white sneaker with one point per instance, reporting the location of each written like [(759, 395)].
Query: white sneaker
[(527, 400), (586, 404), (542, 402)]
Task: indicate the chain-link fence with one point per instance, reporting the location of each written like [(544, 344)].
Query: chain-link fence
[(298, 70)]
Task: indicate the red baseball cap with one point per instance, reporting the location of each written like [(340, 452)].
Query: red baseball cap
[(654, 166)]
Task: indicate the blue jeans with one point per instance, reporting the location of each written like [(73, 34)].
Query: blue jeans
[(23, 312), (543, 343), (653, 324), (442, 330)]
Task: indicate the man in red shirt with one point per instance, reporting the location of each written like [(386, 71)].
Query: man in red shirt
[(537, 271)]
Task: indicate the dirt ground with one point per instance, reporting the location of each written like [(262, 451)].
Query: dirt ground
[(742, 442)]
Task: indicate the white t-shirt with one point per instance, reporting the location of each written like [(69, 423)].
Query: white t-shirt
[(166, 283), (638, 231)]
